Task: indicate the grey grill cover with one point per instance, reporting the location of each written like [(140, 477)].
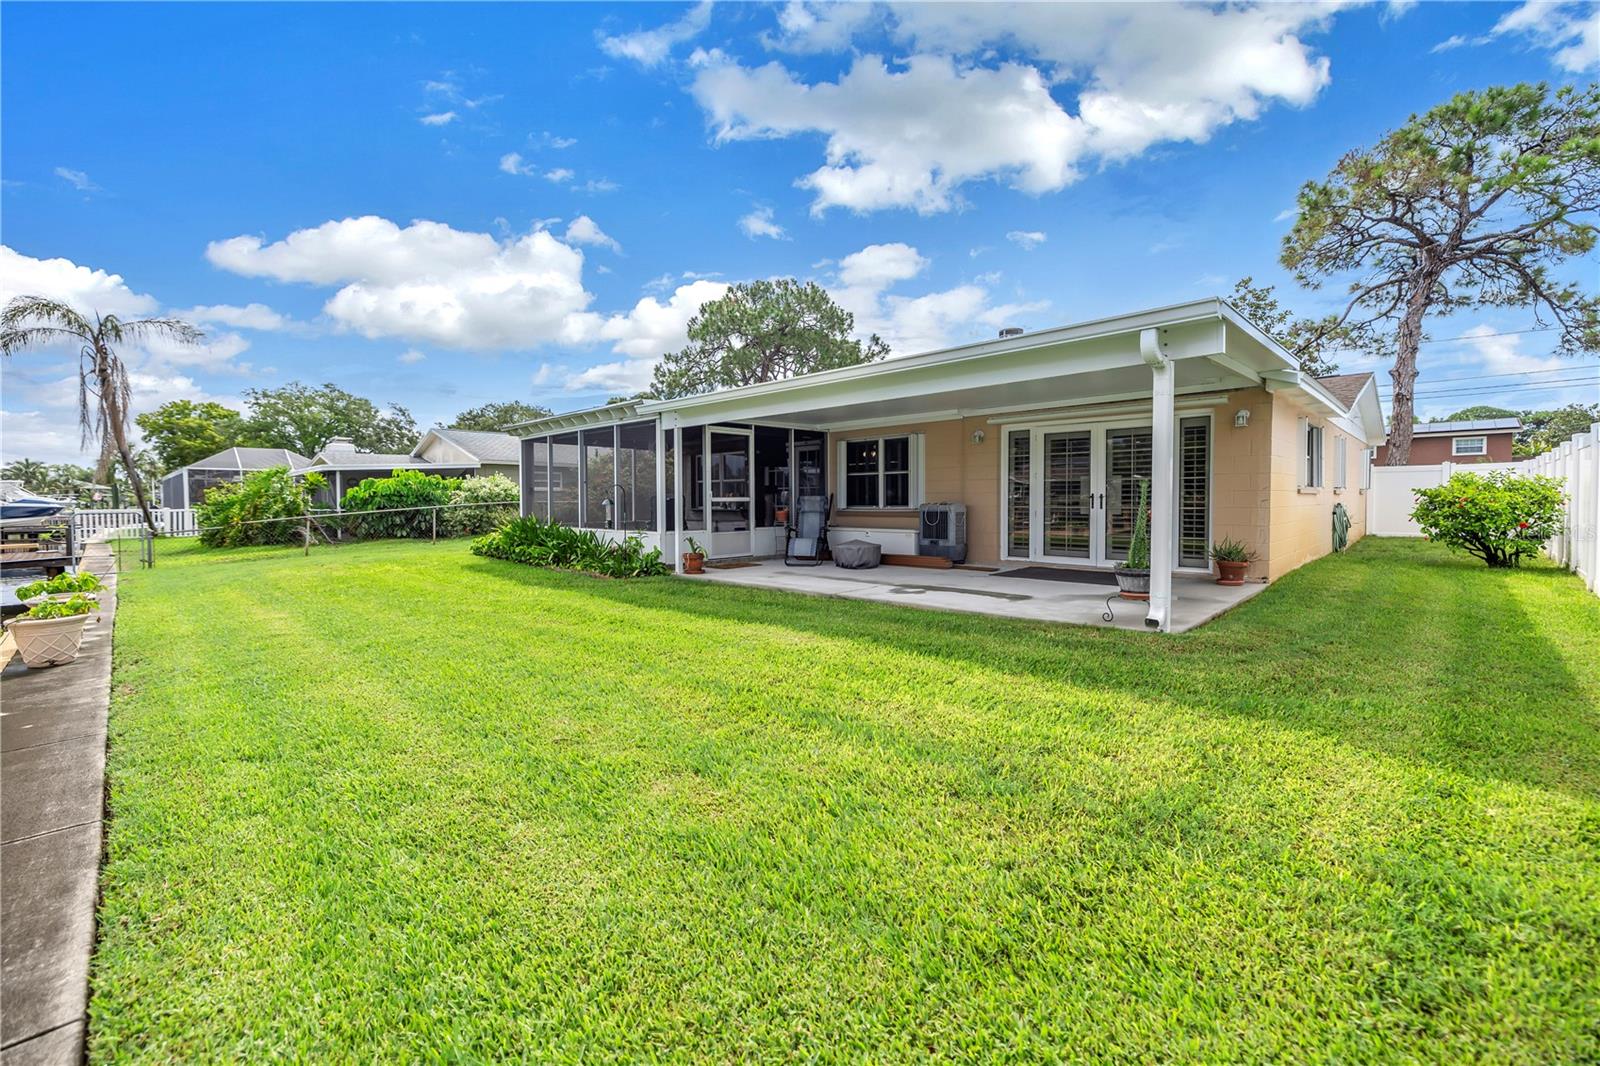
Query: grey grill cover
[(857, 554)]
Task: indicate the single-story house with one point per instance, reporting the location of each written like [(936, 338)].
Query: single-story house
[(344, 467), (187, 485), (1043, 436), (1478, 440), (495, 453)]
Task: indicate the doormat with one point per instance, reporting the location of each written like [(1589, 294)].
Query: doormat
[(1050, 573), (730, 566)]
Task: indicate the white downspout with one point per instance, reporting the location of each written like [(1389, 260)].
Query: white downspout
[(661, 483), (1162, 421)]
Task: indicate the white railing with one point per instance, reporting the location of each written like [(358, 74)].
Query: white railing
[(1576, 464), (96, 524)]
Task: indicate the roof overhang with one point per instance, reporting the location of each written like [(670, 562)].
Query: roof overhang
[(589, 416), (318, 468)]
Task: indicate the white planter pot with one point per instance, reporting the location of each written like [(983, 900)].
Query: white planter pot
[(48, 641)]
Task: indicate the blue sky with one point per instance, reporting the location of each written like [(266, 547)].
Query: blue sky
[(440, 206)]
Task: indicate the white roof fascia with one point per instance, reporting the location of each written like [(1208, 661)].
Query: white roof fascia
[(1177, 314)]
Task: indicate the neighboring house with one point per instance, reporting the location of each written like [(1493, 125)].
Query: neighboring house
[(187, 485), (1481, 440), (344, 467), (495, 453), (1043, 436)]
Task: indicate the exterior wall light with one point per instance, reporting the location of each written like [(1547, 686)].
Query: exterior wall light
[(1241, 418), (977, 436)]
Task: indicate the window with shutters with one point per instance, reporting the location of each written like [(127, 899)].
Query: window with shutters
[(1194, 489)]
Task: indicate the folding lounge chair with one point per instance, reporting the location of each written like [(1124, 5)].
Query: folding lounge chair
[(808, 532)]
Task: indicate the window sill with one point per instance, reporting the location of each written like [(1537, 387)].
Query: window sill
[(875, 510), (1309, 490)]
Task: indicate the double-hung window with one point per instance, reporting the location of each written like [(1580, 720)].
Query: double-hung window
[(1470, 446), (877, 472), (1311, 455)]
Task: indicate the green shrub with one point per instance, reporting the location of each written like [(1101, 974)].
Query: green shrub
[(538, 543), (1499, 517), (481, 518), (84, 582), (402, 489), (233, 514)]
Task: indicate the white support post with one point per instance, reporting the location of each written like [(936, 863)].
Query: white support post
[(1163, 417), (661, 484), (677, 497)]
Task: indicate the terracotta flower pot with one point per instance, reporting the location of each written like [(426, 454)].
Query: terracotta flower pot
[(48, 641), (1231, 571), (694, 563)]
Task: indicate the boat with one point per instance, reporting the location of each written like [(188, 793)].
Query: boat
[(19, 507)]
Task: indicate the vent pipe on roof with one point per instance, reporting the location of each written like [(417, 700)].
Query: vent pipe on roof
[(1010, 331)]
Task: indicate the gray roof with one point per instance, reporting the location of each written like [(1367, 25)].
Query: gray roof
[(251, 459), (487, 446), (1345, 387), (366, 461), (1471, 425)]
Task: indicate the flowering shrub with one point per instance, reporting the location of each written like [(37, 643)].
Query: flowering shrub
[(1498, 517), (234, 514), (538, 543), (481, 518)]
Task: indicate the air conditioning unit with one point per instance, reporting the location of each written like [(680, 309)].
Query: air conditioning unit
[(943, 531)]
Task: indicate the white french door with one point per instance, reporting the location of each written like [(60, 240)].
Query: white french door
[(1070, 493)]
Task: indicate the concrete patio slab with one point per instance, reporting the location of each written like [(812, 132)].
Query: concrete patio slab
[(1195, 600), (52, 802)]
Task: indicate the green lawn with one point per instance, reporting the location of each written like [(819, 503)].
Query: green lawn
[(393, 801)]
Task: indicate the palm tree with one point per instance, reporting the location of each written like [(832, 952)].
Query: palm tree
[(104, 390), (31, 472)]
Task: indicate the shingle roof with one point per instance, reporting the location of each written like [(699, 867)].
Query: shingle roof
[(1345, 387), (251, 459), (486, 446), (1470, 425)]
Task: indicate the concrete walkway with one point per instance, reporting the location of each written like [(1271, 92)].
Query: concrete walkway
[(52, 800), (1195, 599)]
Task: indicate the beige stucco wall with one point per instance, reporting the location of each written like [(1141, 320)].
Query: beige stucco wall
[(1256, 496), (1302, 518)]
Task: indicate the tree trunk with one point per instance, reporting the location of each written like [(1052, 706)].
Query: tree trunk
[(1404, 374), (114, 416)]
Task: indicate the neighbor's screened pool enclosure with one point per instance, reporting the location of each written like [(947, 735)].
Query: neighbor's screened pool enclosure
[(732, 488)]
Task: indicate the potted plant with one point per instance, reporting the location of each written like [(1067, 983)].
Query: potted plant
[(49, 634), (694, 560), (1133, 573), (61, 587), (1232, 559)]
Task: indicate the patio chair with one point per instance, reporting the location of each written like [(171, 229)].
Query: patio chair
[(807, 538)]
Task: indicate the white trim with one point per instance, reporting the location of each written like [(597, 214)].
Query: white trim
[(915, 479), (1455, 444)]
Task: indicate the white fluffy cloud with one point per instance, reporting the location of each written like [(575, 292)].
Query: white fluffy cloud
[(427, 281), (758, 223), (410, 357), (438, 118), (87, 290), (910, 133), (644, 334), (650, 47), (78, 179), (1569, 31), (1026, 239), (250, 316), (585, 230), (912, 324)]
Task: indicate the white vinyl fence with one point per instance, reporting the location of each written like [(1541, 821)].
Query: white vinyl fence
[(93, 525), (1390, 499)]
